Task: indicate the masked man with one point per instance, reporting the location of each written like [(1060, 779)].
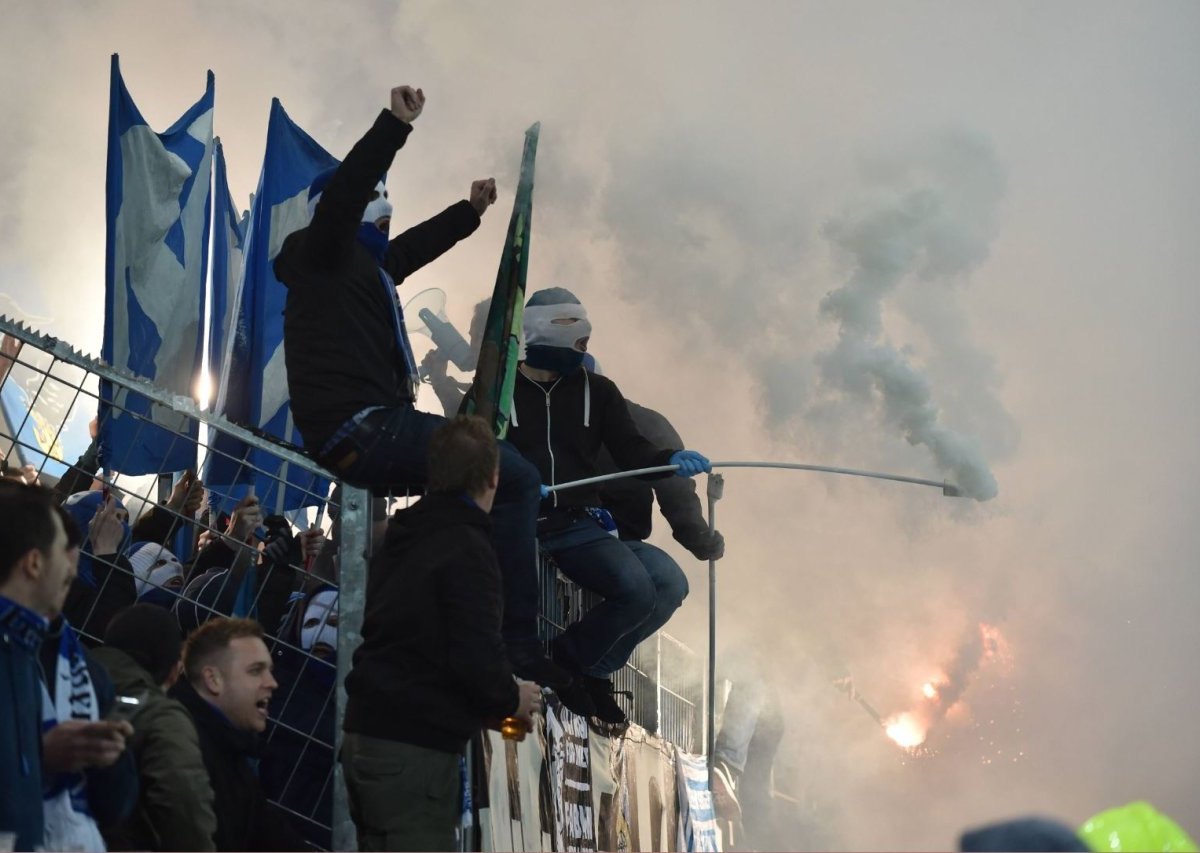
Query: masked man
[(563, 417), (351, 373)]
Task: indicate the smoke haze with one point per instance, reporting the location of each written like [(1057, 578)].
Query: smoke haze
[(942, 240)]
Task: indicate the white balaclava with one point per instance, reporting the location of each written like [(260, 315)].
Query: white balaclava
[(155, 568), (320, 621), (376, 209)]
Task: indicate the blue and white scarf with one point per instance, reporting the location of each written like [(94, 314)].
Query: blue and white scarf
[(69, 823)]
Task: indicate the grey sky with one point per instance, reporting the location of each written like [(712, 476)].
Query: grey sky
[(695, 163)]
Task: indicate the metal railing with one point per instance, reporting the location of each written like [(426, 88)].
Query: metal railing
[(50, 391), (660, 688)]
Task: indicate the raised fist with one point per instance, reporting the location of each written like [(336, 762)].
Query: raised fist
[(483, 194), (407, 103)]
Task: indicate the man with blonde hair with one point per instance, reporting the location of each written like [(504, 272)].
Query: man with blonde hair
[(227, 687)]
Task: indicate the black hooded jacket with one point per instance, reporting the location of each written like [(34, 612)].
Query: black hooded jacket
[(562, 426), (245, 819), (432, 667), (631, 500), (340, 343)]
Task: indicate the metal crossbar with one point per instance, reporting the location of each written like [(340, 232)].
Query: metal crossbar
[(50, 390)]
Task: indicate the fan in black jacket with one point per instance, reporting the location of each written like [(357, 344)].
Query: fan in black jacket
[(432, 667), (351, 373), (227, 689), (563, 418)]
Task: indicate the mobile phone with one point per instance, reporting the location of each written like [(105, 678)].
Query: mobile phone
[(125, 707)]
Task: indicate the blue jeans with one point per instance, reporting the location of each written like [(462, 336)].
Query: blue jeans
[(641, 585), (392, 448)]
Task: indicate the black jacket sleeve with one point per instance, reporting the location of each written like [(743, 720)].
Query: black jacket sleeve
[(629, 448), (676, 496), (79, 476), (472, 604), (331, 234), (428, 241), (158, 525)]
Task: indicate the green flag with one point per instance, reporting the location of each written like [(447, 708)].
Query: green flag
[(491, 391)]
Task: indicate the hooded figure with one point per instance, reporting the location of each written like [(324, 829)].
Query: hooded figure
[(105, 584), (297, 771), (158, 574)]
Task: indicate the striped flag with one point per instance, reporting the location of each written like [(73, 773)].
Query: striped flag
[(158, 206), (254, 389)]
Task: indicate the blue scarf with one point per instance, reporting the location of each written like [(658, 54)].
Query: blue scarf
[(21, 625)]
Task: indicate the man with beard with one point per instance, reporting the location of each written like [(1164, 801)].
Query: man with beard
[(351, 373)]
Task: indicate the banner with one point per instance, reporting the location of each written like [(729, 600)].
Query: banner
[(254, 389), (568, 737), (491, 392), (698, 831), (157, 218)]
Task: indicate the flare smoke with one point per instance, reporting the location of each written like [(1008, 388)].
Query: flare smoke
[(932, 223)]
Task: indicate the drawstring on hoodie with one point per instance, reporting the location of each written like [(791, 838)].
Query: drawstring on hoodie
[(587, 400)]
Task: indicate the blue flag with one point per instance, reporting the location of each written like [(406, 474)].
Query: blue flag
[(229, 237), (158, 206), (254, 389)]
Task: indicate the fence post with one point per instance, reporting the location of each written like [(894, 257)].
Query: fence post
[(354, 553), (716, 486)]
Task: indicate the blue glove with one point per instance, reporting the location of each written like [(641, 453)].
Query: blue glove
[(544, 491), (690, 463)]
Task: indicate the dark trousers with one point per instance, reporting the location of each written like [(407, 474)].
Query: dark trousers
[(402, 797), (641, 585), (389, 450)]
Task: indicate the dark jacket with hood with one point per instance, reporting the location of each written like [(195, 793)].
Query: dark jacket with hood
[(342, 354), (631, 500), (297, 769), (561, 427), (175, 801), (245, 819), (21, 633), (432, 667)]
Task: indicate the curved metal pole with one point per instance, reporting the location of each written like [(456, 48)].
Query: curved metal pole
[(948, 489), (716, 487)]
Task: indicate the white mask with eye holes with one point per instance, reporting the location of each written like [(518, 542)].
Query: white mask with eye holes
[(154, 568), (320, 621), (378, 208)]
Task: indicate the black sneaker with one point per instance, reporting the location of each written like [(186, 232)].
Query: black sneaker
[(540, 669), (601, 692), (575, 697)]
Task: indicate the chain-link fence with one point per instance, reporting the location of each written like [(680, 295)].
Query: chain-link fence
[(301, 572)]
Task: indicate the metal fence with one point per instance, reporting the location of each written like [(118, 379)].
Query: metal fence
[(660, 689), (49, 393)]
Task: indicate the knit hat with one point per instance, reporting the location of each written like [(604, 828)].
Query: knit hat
[(148, 634)]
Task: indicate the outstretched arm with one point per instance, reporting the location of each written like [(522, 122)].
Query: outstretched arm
[(339, 211), (428, 241)]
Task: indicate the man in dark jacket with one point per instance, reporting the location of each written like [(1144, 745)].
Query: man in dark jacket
[(563, 417), (142, 653), (432, 666), (631, 500), (35, 572), (351, 373), (227, 689)]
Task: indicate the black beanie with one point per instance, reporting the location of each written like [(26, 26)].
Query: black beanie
[(150, 635)]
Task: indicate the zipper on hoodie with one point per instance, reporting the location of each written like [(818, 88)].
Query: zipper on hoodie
[(549, 446)]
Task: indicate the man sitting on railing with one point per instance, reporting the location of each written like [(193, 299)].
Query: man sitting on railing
[(351, 374), (563, 417)]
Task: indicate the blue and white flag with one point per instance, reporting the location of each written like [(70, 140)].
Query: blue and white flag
[(698, 829), (159, 196), (229, 237), (254, 388)]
